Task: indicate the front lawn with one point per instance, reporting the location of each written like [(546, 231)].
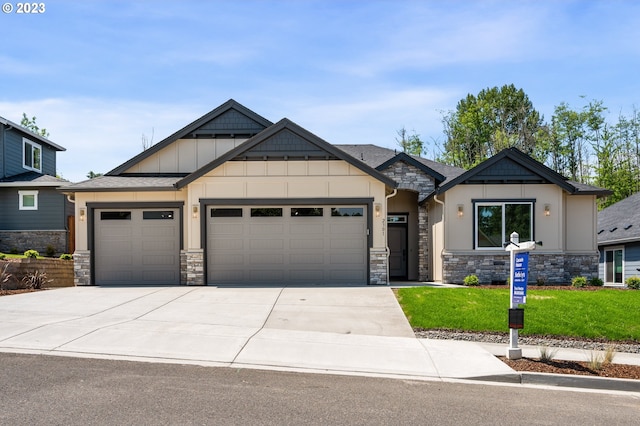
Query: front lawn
[(609, 314)]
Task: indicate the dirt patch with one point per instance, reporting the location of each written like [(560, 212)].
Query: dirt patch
[(620, 371)]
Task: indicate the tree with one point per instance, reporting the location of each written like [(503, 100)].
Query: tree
[(410, 143), (93, 175), (496, 119), (30, 124)]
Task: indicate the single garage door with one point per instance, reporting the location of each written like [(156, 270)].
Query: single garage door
[(137, 246), (278, 245)]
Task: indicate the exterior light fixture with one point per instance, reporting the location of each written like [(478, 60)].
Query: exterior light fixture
[(194, 211), (460, 210), (83, 214), (547, 210), (377, 207)]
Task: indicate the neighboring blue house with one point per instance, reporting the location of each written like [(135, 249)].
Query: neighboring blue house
[(33, 213), (619, 241)]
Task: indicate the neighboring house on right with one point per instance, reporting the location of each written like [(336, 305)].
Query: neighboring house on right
[(619, 241)]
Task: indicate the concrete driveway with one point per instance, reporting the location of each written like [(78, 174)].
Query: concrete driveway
[(353, 330)]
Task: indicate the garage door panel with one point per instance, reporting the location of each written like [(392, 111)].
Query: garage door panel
[(143, 249), (300, 245)]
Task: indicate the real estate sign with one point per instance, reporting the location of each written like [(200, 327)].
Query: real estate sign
[(520, 275)]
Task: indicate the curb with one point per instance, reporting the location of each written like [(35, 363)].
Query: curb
[(577, 381)]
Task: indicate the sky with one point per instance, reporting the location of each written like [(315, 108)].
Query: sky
[(101, 75)]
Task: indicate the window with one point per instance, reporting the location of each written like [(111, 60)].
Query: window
[(28, 200), (495, 221), (306, 211), (32, 155), (347, 211), (234, 212), (266, 212), (613, 266), (157, 215), (115, 215)]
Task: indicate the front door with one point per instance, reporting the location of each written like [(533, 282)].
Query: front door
[(397, 240)]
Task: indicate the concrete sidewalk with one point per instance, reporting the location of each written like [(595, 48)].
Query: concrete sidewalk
[(342, 330)]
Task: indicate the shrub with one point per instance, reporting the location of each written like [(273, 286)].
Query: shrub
[(596, 282), (471, 280), (633, 282), (31, 254), (35, 281), (3, 256), (541, 282), (547, 354), (4, 276), (579, 282), (50, 251), (66, 256)]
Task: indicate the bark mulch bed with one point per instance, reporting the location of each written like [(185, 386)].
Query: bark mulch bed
[(620, 371)]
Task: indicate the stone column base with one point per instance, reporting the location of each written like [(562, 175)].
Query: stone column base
[(378, 261), (82, 267), (192, 267)]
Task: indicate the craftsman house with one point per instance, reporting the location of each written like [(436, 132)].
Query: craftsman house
[(233, 198), (33, 214)]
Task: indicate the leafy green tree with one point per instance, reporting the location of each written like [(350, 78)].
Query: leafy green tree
[(93, 175), (410, 143), (30, 124), (495, 119)]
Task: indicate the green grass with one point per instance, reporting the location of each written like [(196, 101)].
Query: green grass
[(603, 314)]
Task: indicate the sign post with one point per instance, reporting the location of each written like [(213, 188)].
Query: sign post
[(518, 276)]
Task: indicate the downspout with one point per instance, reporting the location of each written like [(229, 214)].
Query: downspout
[(444, 232), (386, 231)]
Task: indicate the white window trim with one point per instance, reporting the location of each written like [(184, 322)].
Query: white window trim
[(502, 204), (24, 159), (604, 269), (21, 195)]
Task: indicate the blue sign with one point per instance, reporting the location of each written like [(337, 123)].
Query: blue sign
[(520, 275)]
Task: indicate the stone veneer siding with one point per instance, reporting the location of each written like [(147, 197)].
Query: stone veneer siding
[(494, 268), (82, 267), (192, 267), (378, 267), (413, 179), (21, 241)]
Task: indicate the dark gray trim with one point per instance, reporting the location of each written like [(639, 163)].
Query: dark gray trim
[(30, 134), (188, 129), (404, 226), (439, 178), (93, 206), (205, 202), (299, 131)]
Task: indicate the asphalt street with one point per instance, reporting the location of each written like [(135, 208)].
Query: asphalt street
[(46, 390)]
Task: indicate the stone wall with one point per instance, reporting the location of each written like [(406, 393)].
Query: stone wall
[(493, 268), (192, 267), (82, 267), (20, 241), (377, 267), (58, 270)]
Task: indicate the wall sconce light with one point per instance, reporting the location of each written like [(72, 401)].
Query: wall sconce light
[(460, 210), (378, 208), (194, 211), (547, 210), (83, 214)]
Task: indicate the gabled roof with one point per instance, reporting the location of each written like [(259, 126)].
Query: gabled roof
[(30, 134), (380, 158), (620, 222), (230, 118), (285, 140), (513, 166)]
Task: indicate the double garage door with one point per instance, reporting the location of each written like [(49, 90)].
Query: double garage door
[(246, 245), (307, 245)]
